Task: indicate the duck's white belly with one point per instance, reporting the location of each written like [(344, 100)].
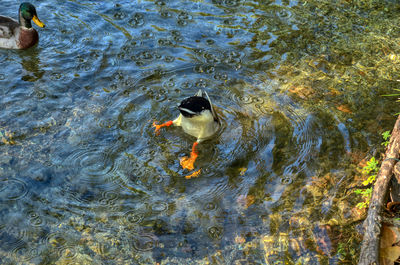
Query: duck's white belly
[(192, 129), (201, 127)]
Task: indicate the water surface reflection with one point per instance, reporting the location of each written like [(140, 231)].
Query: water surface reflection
[(84, 179)]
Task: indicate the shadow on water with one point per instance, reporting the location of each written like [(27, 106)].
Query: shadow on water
[(84, 179)]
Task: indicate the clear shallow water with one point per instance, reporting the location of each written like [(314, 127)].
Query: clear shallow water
[(84, 179)]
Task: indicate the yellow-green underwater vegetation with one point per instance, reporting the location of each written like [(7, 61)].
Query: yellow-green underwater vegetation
[(298, 85)]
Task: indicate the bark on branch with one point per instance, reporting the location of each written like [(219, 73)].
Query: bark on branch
[(372, 224)]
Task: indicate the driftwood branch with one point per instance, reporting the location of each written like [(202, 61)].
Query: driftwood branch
[(372, 224)]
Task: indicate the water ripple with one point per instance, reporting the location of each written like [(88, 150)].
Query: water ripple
[(91, 162), (145, 242), (217, 190), (35, 219), (61, 245), (12, 189), (137, 20), (133, 217), (159, 206), (108, 199), (23, 252), (16, 233), (106, 77), (210, 206), (215, 232)]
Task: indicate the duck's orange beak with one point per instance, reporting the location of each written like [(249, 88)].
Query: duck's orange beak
[(38, 22)]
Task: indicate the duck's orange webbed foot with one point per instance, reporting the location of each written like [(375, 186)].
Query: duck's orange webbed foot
[(159, 126), (188, 162), (194, 174)]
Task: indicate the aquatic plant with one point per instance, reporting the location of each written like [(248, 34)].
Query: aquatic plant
[(369, 171), (386, 136)]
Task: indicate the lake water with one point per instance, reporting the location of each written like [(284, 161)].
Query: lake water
[(298, 85)]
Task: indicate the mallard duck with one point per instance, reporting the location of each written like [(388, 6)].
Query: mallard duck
[(14, 35), (197, 118)]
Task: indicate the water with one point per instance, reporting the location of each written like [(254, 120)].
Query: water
[(84, 179)]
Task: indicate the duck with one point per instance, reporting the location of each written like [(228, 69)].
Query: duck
[(20, 35), (197, 118)]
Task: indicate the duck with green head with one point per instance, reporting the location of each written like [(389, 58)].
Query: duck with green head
[(20, 35)]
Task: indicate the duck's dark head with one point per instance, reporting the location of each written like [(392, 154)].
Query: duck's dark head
[(193, 106), (27, 12)]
